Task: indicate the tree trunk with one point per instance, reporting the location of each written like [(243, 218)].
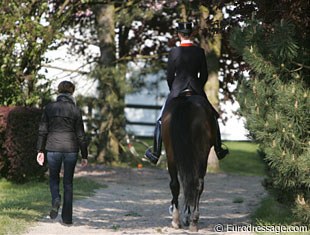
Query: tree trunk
[(108, 150), (106, 33), (213, 49)]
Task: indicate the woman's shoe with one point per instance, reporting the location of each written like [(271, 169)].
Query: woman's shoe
[(55, 208), (66, 223)]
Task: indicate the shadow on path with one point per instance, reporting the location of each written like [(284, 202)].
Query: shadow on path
[(136, 201)]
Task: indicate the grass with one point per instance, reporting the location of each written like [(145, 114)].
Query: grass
[(275, 214), (243, 159), (22, 204)]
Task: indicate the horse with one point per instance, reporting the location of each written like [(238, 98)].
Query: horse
[(188, 135)]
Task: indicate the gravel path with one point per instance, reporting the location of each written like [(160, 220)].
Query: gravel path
[(136, 201)]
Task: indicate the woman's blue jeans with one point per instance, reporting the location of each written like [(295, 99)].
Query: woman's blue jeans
[(55, 160)]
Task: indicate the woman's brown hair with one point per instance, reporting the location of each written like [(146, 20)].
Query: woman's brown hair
[(66, 87)]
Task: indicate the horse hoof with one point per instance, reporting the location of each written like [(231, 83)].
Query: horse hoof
[(193, 228), (185, 222), (175, 225)]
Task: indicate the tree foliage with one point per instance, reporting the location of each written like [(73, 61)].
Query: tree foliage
[(275, 100), (28, 30), (144, 32)]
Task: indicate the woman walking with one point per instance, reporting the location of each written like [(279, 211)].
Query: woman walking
[(61, 136)]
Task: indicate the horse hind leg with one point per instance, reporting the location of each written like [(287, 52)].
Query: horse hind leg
[(186, 215), (174, 208), (193, 226)]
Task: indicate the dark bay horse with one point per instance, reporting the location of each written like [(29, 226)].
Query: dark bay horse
[(188, 135)]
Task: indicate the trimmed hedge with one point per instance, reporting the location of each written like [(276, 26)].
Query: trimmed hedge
[(18, 138)]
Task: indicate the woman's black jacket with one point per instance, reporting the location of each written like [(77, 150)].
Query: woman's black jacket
[(61, 128)]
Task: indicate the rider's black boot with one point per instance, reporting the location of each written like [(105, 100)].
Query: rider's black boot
[(154, 156), (220, 152)]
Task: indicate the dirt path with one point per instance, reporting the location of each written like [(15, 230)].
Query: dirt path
[(136, 201)]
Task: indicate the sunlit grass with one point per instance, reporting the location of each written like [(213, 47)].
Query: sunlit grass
[(23, 204), (243, 159), (271, 212)]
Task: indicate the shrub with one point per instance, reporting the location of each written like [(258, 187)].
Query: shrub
[(275, 101), (4, 111), (18, 137)]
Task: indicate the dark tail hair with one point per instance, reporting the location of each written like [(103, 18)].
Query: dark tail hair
[(185, 150)]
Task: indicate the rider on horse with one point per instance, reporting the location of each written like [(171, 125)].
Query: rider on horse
[(186, 75)]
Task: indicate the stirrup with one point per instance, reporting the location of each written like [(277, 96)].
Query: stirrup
[(222, 152), (151, 156)]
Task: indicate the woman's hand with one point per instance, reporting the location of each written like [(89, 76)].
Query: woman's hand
[(40, 158), (84, 162)]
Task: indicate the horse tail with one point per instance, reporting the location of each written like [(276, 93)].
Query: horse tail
[(187, 147)]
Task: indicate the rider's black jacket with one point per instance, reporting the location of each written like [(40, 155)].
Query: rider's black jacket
[(61, 128), (187, 68)]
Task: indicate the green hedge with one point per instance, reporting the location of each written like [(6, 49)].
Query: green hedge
[(18, 137), (275, 100)]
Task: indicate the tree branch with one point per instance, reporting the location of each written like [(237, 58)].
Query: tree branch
[(65, 70), (301, 65), (63, 7)]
